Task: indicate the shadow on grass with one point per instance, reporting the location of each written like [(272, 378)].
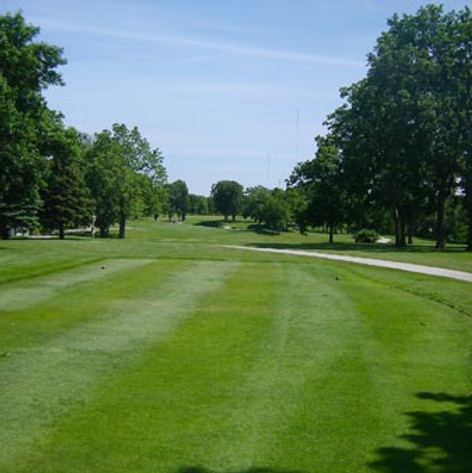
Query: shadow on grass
[(441, 440), (211, 223), (197, 469), (365, 247), (262, 230), (237, 225)]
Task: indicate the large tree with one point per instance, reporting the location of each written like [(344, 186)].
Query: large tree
[(458, 74), (27, 67), (410, 67), (228, 198), (379, 159), (400, 129), (117, 160)]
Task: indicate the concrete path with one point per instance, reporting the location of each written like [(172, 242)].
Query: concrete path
[(413, 268)]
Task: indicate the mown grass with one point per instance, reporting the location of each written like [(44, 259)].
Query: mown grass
[(168, 353), (204, 237)]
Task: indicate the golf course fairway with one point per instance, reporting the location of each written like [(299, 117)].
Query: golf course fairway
[(167, 353)]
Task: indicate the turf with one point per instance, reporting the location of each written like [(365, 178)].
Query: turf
[(183, 357)]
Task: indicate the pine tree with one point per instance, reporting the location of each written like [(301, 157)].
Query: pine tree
[(67, 201)]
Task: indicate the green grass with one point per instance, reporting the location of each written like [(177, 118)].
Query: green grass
[(181, 356)]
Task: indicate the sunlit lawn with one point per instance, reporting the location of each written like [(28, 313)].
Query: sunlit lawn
[(167, 352)]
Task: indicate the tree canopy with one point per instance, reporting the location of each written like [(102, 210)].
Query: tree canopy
[(228, 198), (122, 168), (403, 134), (27, 67)]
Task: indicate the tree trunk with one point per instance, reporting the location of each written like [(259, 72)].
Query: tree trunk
[(103, 232), (61, 232), (331, 232), (399, 218), (410, 233), (122, 224), (441, 220), (469, 234), (4, 231), (468, 208)]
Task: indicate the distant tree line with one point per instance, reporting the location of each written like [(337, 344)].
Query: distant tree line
[(275, 209)]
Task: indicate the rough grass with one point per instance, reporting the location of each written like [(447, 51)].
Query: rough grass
[(180, 357)]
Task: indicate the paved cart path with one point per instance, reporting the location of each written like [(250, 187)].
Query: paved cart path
[(413, 268)]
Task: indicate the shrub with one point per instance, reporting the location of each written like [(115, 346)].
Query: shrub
[(366, 236)]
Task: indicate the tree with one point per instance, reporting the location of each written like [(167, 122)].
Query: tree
[(117, 160), (27, 67), (228, 198), (410, 61), (198, 204), (399, 130), (178, 199), (155, 197), (276, 211), (255, 199), (381, 137), (298, 203), (67, 201), (321, 181), (458, 72)]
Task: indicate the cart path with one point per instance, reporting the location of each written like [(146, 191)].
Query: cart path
[(413, 268)]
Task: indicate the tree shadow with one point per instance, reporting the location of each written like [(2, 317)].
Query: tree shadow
[(198, 469), (262, 230), (441, 441), (256, 228), (352, 247), (210, 223)]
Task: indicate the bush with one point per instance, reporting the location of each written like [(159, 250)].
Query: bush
[(366, 236)]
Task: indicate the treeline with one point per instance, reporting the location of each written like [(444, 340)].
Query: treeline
[(396, 157), (398, 152), (277, 210), (55, 177)]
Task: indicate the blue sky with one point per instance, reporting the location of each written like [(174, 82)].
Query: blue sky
[(227, 89)]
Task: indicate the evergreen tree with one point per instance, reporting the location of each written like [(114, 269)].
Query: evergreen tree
[(67, 201)]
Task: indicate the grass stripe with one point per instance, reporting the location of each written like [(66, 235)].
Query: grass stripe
[(281, 366), (18, 295), (41, 385), (171, 408), (309, 334)]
